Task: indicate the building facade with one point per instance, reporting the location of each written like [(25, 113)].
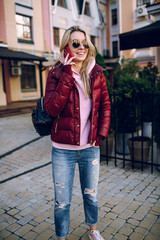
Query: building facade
[(124, 16), (22, 31), (36, 27)]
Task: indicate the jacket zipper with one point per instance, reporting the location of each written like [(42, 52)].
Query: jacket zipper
[(92, 119), (56, 124)]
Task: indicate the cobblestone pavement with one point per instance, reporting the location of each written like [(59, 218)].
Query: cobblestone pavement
[(129, 200)]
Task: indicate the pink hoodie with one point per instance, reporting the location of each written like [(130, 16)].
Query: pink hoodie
[(85, 109)]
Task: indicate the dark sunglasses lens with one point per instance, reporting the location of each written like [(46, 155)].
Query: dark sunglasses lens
[(85, 44), (75, 43)]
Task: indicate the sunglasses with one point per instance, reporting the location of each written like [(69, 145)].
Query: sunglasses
[(76, 43)]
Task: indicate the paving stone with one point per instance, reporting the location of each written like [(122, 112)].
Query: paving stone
[(30, 235), (106, 221), (156, 229), (127, 210), (4, 225), (12, 237), (25, 219), (74, 214), (75, 237), (13, 227), (45, 235), (151, 236), (151, 217), (4, 233), (110, 230), (127, 213), (141, 230), (79, 231), (111, 215), (146, 224), (40, 218), (23, 230), (13, 212), (156, 210), (118, 209), (125, 231), (41, 227), (101, 226), (136, 236), (119, 236), (105, 209), (106, 235), (138, 216), (117, 223)]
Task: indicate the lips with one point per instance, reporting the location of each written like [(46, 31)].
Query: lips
[(81, 53)]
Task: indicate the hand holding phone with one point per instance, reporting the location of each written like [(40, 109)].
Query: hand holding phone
[(66, 51)]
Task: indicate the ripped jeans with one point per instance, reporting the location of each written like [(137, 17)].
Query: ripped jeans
[(63, 168)]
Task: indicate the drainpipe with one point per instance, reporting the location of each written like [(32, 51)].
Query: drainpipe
[(51, 27), (120, 24), (156, 48), (40, 78)]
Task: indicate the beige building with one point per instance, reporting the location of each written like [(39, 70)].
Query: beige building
[(124, 16), (31, 30), (24, 34)]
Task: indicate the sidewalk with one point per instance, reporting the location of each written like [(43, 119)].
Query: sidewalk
[(15, 108), (129, 200)]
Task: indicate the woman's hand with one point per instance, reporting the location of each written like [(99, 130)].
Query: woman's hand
[(67, 64), (67, 60), (97, 142), (94, 144)]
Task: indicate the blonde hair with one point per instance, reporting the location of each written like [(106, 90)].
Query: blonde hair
[(91, 52)]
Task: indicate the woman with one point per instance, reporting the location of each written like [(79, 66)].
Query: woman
[(77, 98)]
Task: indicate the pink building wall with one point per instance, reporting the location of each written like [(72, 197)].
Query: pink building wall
[(3, 36), (46, 25)]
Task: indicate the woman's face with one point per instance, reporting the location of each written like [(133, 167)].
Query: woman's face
[(81, 52)]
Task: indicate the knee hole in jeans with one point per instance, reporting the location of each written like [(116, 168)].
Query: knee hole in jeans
[(94, 162), (61, 205), (60, 185), (92, 192)]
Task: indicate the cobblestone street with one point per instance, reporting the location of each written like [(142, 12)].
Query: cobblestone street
[(129, 200)]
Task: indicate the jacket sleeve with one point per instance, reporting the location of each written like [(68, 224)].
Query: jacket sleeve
[(104, 109), (57, 91)]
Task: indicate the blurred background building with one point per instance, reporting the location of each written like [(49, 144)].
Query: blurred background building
[(31, 31)]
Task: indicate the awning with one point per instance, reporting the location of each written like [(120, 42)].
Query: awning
[(141, 38), (6, 53)]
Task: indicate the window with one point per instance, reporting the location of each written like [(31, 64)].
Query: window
[(114, 16), (115, 48), (56, 36), (24, 27), (62, 3), (142, 2), (93, 40), (28, 78), (79, 6), (86, 9)]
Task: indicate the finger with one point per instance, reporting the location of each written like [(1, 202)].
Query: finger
[(71, 60), (94, 144), (66, 58)]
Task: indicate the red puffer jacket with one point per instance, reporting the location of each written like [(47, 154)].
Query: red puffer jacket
[(62, 102)]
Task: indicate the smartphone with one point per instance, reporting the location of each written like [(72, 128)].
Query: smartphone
[(66, 51)]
